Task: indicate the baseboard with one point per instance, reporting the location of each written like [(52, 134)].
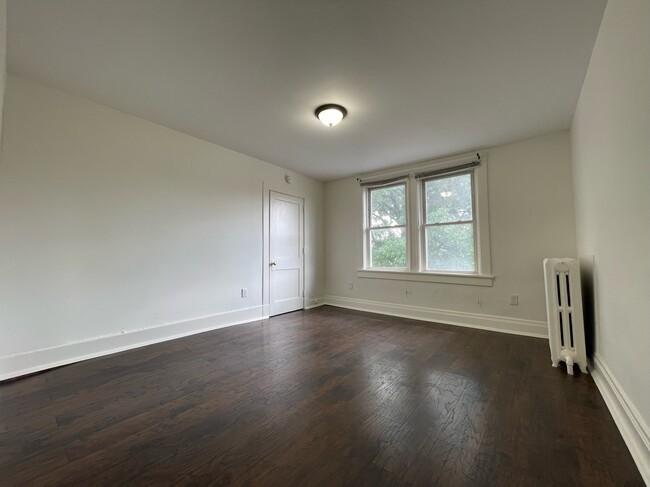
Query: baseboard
[(37, 360), (501, 324), (634, 430), (310, 303)]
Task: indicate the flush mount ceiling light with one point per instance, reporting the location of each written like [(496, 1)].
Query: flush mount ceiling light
[(331, 114)]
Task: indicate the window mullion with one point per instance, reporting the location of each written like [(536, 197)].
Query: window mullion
[(367, 251), (413, 224), (422, 239)]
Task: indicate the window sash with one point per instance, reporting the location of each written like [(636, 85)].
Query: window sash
[(389, 227), (369, 205), (369, 227), (443, 223), (423, 203), (423, 251), (404, 228)]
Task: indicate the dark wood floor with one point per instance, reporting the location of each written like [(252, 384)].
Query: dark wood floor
[(322, 397)]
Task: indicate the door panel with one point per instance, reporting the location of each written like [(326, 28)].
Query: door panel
[(286, 253), (287, 284)]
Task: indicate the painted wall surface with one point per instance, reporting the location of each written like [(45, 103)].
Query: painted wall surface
[(611, 166), (110, 224), (3, 59), (531, 217)]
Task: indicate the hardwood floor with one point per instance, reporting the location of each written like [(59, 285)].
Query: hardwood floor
[(321, 397)]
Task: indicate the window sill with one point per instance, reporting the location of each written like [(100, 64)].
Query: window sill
[(440, 277)]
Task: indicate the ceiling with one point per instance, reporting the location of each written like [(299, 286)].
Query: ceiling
[(420, 79)]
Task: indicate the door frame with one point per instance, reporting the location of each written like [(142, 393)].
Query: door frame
[(266, 233)]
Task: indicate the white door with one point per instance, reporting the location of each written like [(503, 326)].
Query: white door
[(286, 241)]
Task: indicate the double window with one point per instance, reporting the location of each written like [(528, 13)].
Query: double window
[(429, 222)]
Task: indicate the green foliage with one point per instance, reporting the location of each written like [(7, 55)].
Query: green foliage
[(388, 248), (388, 209), (450, 247), (388, 206)]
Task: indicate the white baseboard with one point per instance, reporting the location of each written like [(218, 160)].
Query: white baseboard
[(310, 303), (47, 358), (502, 324), (633, 428)]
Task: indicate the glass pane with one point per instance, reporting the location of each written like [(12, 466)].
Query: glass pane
[(451, 247), (388, 247), (388, 206), (449, 199)]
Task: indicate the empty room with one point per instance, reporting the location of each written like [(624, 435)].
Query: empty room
[(324, 242)]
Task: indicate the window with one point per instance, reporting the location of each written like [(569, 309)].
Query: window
[(448, 229), (430, 225), (387, 229)]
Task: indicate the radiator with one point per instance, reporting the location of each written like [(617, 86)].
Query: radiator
[(566, 330)]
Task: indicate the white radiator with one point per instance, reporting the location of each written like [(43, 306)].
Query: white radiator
[(566, 330)]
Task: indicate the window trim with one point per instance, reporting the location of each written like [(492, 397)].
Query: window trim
[(416, 259), (438, 277)]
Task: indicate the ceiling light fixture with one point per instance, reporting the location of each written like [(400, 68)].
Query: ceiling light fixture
[(331, 114)]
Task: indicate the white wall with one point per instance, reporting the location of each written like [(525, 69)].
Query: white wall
[(110, 224), (531, 217), (611, 166), (3, 59)]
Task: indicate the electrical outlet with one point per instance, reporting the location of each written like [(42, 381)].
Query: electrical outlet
[(514, 300), (244, 292), (350, 285)]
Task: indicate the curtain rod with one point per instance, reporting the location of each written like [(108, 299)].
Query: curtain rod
[(447, 170), (382, 182), (397, 176)]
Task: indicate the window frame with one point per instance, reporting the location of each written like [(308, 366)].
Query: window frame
[(416, 223), (424, 225), (368, 228)]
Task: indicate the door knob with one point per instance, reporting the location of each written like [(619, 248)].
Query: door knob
[(272, 263)]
